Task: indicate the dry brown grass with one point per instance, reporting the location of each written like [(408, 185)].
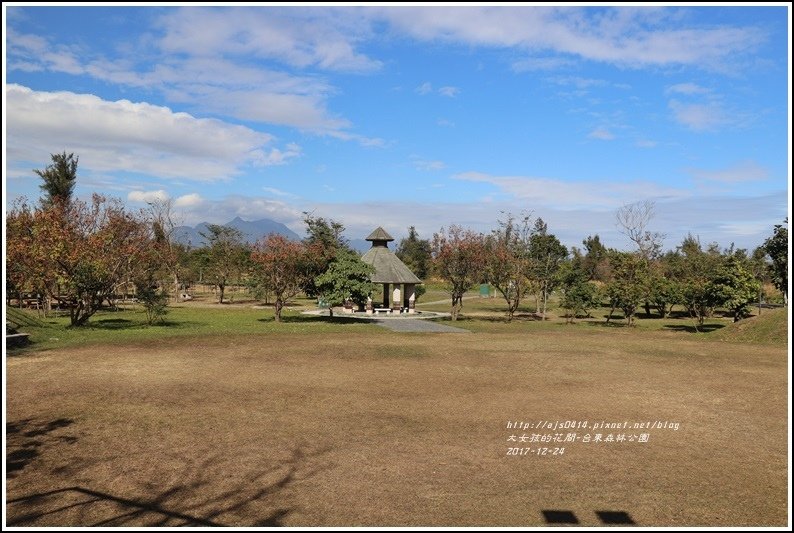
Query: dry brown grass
[(380, 428)]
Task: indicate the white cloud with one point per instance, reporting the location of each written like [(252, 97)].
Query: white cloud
[(646, 143), (687, 88), (189, 200), (700, 116), (531, 64), (745, 221), (203, 79), (724, 219), (130, 137), (193, 209), (578, 82), (425, 88), (425, 165), (633, 37), (147, 196), (448, 90), (737, 173), (279, 157), (601, 134), (564, 194), (279, 192), (298, 37)]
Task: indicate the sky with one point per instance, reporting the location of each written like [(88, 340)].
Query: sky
[(424, 116)]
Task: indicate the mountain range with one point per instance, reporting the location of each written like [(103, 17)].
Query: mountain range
[(252, 231)]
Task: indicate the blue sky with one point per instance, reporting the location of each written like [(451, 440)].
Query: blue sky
[(418, 116)]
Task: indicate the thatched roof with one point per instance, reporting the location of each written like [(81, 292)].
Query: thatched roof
[(388, 267)]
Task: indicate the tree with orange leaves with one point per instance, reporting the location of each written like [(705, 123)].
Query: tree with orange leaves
[(281, 266), (459, 258), (78, 252)]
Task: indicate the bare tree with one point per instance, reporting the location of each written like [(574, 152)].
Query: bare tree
[(632, 221), (164, 226)]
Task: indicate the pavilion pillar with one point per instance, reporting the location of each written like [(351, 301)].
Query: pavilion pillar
[(396, 299), (369, 309), (385, 295), (410, 297)]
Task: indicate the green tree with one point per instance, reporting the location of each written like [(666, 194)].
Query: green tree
[(416, 253), (59, 179), (627, 289), (776, 247), (734, 286), (153, 298), (324, 238), (663, 293), (346, 279), (546, 254), (226, 256), (327, 233), (595, 260), (578, 294), (696, 271)]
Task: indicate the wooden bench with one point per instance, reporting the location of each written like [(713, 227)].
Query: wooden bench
[(17, 339)]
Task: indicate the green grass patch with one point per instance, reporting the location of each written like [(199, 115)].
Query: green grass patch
[(484, 315), (130, 326), (20, 318), (770, 327)]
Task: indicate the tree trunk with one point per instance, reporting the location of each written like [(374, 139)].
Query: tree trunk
[(609, 316), (279, 307), (648, 309), (221, 288)]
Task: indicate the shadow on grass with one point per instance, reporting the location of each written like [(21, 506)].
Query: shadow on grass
[(111, 324), (604, 324), (28, 439), (705, 328), (312, 319), (203, 496), (557, 516)]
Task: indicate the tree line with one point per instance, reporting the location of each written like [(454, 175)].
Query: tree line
[(82, 254)]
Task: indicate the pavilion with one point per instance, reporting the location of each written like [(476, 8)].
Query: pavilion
[(399, 283)]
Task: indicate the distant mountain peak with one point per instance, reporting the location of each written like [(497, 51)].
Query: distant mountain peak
[(252, 231)]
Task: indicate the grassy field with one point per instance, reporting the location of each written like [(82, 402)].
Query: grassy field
[(186, 320), (222, 417), (244, 316)]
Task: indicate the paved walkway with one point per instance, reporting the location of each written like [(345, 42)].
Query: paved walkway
[(420, 326)]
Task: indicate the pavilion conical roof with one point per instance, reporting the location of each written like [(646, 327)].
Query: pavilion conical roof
[(388, 267), (379, 235)]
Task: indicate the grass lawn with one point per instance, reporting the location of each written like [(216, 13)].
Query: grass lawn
[(226, 418), (185, 320)]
